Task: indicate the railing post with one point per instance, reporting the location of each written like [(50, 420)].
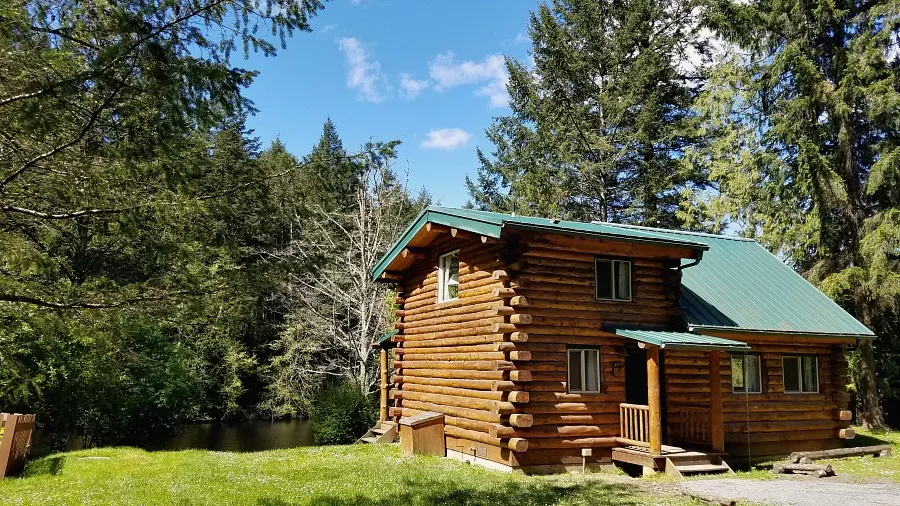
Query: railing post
[(655, 415), (716, 423)]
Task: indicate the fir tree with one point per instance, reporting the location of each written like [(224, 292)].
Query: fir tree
[(807, 149), (599, 126)]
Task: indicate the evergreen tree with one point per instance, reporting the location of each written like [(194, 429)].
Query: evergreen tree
[(806, 154), (600, 124)]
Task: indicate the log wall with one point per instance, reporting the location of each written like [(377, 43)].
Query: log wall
[(779, 422), (462, 358)]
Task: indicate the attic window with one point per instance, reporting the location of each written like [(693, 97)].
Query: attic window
[(612, 279), (448, 277)]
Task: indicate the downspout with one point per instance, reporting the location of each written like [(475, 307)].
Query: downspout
[(691, 264)]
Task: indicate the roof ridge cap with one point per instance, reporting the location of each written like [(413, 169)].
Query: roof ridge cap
[(673, 231)]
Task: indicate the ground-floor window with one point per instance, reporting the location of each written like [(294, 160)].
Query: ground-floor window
[(746, 373), (801, 374), (584, 370)]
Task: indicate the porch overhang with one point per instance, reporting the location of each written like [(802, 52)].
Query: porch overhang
[(674, 340)]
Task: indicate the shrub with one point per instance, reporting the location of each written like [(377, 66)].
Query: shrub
[(342, 413)]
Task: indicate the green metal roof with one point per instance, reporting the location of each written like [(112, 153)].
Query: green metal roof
[(672, 340), (491, 225), (739, 285)]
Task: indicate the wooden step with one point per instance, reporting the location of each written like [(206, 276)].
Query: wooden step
[(372, 440), (703, 468)]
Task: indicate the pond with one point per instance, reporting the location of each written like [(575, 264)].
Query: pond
[(246, 436)]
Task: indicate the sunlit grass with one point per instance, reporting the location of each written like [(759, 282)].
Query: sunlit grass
[(366, 475)]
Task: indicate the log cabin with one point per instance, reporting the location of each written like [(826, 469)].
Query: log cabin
[(549, 344)]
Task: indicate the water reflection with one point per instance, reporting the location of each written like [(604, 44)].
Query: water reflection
[(248, 436)]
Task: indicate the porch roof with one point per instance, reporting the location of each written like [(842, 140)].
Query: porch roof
[(674, 340)]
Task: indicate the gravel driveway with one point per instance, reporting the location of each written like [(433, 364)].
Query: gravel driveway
[(801, 492)]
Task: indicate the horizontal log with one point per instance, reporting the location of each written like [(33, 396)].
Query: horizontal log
[(498, 407), (588, 442), (505, 293), (518, 337), (518, 301), (472, 414), (500, 275), (846, 433), (520, 319), (520, 355), (474, 384), (518, 397), (449, 341), (474, 365), (514, 444), (878, 451), (845, 415), (810, 469)]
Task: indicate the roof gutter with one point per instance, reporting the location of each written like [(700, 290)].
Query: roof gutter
[(691, 264), (737, 330)]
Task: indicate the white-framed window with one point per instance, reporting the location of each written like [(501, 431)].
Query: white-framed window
[(746, 373), (612, 279), (448, 277), (801, 374), (584, 370)]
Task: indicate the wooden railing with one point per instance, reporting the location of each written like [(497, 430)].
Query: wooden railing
[(634, 424), (691, 425)]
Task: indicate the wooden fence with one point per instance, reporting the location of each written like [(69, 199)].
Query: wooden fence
[(15, 441), (691, 425)]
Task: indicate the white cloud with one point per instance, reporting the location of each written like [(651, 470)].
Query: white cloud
[(411, 86), (327, 28), (446, 138), (447, 72), (364, 73), (522, 38)]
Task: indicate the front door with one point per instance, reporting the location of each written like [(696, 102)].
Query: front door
[(636, 380), (635, 374)]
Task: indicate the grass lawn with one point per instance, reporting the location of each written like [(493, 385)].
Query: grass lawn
[(852, 468), (365, 475)]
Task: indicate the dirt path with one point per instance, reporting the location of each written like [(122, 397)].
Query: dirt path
[(799, 492)]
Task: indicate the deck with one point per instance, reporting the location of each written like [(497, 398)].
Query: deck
[(673, 460)]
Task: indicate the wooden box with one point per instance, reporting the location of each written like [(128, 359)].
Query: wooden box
[(423, 434)]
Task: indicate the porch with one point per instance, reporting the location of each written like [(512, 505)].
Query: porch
[(694, 433)]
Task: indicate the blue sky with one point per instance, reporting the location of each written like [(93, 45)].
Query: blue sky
[(427, 73)]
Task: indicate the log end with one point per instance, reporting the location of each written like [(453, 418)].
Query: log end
[(846, 433), (517, 444), (521, 420)]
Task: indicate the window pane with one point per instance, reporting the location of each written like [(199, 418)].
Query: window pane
[(737, 373), (791, 374), (575, 371), (591, 370), (453, 275), (810, 379), (449, 277), (604, 279), (623, 280), (753, 381)]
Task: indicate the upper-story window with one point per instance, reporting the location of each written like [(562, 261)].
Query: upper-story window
[(801, 374), (448, 277), (612, 279)]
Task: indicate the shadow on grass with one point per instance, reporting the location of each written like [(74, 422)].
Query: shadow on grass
[(452, 493), (46, 466), (867, 440)]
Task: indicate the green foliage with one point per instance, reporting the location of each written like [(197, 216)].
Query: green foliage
[(138, 217), (313, 476), (600, 124), (342, 413), (805, 154)]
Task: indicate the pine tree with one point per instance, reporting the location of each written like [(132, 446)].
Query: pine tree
[(599, 125), (806, 122)]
